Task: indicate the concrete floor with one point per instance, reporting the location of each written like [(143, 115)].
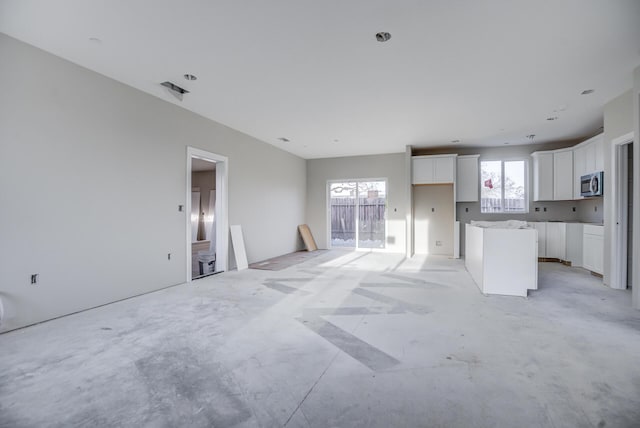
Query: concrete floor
[(342, 340)]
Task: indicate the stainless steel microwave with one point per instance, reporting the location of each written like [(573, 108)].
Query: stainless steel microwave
[(591, 184)]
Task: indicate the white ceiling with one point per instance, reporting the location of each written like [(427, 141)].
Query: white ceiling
[(483, 72)]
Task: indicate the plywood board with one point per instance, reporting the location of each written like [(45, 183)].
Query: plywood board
[(307, 237), (238, 247)]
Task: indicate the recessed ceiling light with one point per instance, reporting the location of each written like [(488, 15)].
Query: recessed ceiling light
[(587, 91), (383, 36), (190, 77), (552, 118), (455, 141), (284, 140)]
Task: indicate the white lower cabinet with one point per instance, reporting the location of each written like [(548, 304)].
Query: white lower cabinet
[(551, 239), (556, 245), (593, 248), (575, 234), (578, 243), (541, 227)]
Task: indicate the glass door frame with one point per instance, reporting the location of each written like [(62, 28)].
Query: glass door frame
[(357, 216)]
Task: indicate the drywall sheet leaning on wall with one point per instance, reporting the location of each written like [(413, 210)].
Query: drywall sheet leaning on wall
[(238, 247), (307, 237)]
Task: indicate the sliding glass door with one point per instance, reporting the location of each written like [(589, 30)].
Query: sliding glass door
[(358, 213)]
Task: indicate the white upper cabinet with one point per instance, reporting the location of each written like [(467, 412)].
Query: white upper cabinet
[(588, 157), (598, 142), (563, 175), (542, 176), (445, 169), (557, 173), (433, 169), (467, 178), (422, 170), (579, 168), (594, 159)]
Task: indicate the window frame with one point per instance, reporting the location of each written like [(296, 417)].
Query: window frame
[(502, 187)]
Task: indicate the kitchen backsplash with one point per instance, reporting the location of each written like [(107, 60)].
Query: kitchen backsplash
[(591, 210), (587, 210)]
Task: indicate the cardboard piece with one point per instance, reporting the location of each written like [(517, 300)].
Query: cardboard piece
[(307, 237), (238, 247)]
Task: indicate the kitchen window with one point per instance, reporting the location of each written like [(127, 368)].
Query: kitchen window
[(503, 186)]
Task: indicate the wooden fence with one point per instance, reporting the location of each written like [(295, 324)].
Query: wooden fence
[(510, 205), (371, 217)]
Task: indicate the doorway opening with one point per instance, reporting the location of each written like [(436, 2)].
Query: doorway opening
[(622, 177), (357, 213), (207, 240)]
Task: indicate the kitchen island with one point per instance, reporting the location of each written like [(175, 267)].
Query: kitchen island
[(502, 257)]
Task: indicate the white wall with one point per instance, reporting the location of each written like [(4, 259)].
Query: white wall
[(433, 206), (391, 166), (618, 121), (91, 176), (636, 186)]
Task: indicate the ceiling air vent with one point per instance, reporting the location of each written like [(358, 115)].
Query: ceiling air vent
[(175, 90)]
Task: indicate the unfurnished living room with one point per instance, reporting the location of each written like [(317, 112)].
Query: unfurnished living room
[(319, 214)]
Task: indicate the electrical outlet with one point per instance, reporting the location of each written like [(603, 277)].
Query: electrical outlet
[(169, 256), (595, 208), (466, 209), (573, 209), (537, 209), (34, 278), (544, 209), (433, 210), (438, 243), (180, 208)]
